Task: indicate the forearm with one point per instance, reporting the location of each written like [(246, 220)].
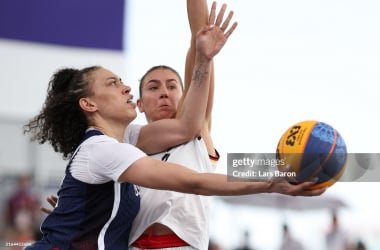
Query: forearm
[(194, 105), (197, 14), (218, 184), (156, 174)]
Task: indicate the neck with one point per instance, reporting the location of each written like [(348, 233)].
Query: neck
[(118, 134)]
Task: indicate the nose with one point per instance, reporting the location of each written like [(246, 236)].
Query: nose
[(164, 93), (127, 89)]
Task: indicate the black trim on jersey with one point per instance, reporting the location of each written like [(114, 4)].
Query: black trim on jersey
[(165, 157)]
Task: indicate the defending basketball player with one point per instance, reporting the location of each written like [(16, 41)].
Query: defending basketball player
[(159, 223)]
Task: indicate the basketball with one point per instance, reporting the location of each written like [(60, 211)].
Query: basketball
[(312, 149)]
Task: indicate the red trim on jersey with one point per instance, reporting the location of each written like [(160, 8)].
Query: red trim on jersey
[(216, 157), (159, 241)]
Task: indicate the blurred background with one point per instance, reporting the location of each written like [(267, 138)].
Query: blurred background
[(287, 61)]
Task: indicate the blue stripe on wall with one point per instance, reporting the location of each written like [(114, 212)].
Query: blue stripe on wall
[(82, 23)]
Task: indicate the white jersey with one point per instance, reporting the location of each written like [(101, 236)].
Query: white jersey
[(187, 215), (92, 163)]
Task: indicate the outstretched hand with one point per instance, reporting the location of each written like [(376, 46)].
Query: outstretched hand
[(211, 39), (301, 189), (282, 185)]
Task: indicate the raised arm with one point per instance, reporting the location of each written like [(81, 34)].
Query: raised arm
[(190, 116), (198, 16), (197, 12)]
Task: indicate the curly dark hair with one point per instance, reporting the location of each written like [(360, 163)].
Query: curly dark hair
[(61, 122)]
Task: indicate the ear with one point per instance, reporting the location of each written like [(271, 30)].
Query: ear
[(87, 105), (140, 105)]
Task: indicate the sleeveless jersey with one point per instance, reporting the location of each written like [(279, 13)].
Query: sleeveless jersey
[(187, 215)]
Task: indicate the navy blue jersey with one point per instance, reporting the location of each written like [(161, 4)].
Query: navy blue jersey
[(90, 216)]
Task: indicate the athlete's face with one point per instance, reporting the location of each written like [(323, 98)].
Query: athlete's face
[(112, 99), (160, 95)]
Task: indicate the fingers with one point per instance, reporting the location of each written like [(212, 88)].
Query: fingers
[(233, 27), (219, 19), (52, 200), (226, 22), (45, 210), (211, 19), (287, 168), (300, 189), (314, 192), (211, 38), (304, 189)]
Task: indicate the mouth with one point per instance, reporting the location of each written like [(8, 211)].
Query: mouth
[(130, 101), (164, 104), (165, 108)]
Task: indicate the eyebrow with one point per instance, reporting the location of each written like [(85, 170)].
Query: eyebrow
[(113, 78), (156, 81), (171, 80)]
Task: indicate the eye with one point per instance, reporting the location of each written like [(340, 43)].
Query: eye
[(116, 82), (153, 88), (172, 87)]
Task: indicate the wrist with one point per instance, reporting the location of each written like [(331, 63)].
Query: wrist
[(203, 59), (269, 185), (201, 72)]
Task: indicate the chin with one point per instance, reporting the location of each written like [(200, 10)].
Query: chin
[(166, 115), (132, 116)]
